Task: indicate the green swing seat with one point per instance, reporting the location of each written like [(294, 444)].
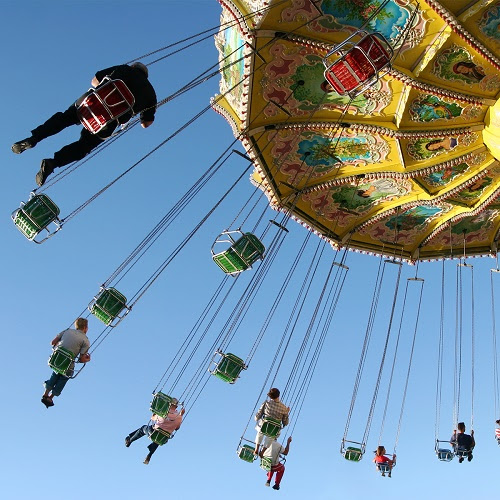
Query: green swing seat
[(353, 454), (108, 304), (265, 463), (241, 254), (35, 215), (61, 360), (160, 436), (270, 427), (246, 453), (229, 368), (161, 404)]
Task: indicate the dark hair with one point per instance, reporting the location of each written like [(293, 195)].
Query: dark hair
[(274, 393), (461, 426), (476, 74)]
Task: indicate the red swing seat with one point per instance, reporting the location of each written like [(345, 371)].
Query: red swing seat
[(358, 66), (105, 104)]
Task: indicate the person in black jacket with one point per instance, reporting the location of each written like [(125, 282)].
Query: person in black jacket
[(463, 443), (135, 77)]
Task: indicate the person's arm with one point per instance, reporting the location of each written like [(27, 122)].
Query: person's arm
[(84, 356), (472, 438), (146, 124), (453, 439), (56, 339), (284, 419), (179, 418), (287, 447), (259, 414), (99, 76)]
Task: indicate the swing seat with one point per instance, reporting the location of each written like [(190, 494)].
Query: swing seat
[(229, 368), (271, 427), (240, 255), (160, 436), (444, 454), (61, 360), (265, 463), (160, 405), (353, 454), (107, 306), (35, 215), (246, 453), (384, 468), (105, 104), (359, 64), (462, 453)]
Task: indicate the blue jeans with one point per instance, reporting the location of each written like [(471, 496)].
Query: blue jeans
[(143, 431), (56, 383)]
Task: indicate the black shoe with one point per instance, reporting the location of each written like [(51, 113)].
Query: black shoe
[(470, 457), (47, 402), (46, 168), (147, 459), (28, 143), (276, 487), (460, 460), (127, 441)]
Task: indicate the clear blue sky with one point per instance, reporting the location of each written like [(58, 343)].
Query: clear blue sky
[(50, 52)]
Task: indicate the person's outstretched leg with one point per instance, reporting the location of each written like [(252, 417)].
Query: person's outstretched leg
[(133, 436), (152, 448), (52, 126)]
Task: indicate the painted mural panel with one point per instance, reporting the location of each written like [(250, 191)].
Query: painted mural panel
[(296, 153), (231, 51), (489, 24), (295, 80), (349, 15), (456, 64), (407, 226), (476, 229), (345, 204), (441, 178), (428, 108), (424, 148), (474, 191)]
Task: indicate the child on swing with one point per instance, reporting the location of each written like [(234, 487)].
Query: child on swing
[(380, 458)]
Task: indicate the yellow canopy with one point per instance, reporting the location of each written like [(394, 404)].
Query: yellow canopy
[(411, 167)]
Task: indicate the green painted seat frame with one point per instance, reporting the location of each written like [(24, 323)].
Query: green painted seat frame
[(160, 436), (243, 252), (107, 306), (228, 368), (270, 427), (353, 454), (61, 360), (245, 452), (35, 216), (265, 463), (161, 403)]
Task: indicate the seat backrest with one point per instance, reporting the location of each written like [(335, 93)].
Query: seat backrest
[(444, 455), (271, 427), (108, 305), (384, 467), (230, 366), (246, 453), (160, 405), (101, 106), (353, 454), (160, 436), (61, 360)]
